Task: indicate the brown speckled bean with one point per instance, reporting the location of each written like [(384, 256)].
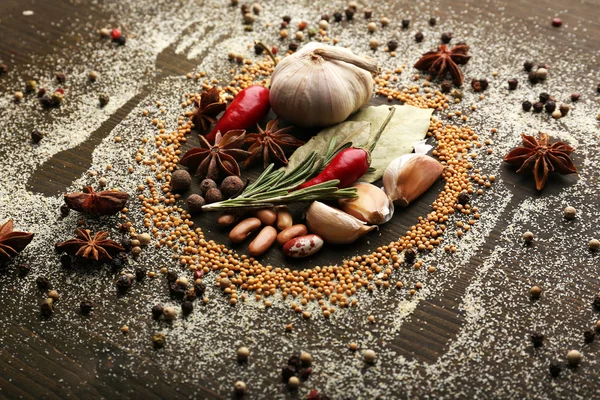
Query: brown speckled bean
[(293, 231), (241, 231), (284, 218), (303, 246), (266, 216), (227, 219), (263, 241)]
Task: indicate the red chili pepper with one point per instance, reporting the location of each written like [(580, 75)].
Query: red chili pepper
[(247, 109), (349, 164)]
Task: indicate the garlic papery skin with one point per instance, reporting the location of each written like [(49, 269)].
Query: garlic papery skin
[(409, 176), (320, 85), (333, 225), (372, 205)]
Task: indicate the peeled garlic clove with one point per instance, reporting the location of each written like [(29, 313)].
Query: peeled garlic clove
[(333, 225), (409, 176), (320, 85), (372, 205)]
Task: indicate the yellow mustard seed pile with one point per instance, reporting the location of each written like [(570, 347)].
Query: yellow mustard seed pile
[(331, 286)]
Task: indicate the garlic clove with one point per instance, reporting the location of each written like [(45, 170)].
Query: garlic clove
[(372, 205), (409, 176), (334, 225)]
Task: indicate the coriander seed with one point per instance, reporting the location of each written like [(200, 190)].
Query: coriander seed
[(242, 354), (594, 244), (574, 358), (569, 213), (528, 237), (535, 292), (369, 356)]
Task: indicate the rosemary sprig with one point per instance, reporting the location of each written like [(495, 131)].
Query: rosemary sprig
[(277, 187)]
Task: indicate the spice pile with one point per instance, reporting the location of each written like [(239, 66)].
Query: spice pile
[(159, 243)]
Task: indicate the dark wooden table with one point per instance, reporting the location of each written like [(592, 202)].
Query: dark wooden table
[(39, 359)]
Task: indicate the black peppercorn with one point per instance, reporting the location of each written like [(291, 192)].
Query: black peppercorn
[(199, 288), (325, 17), (43, 283), (550, 106), (64, 210), (171, 276), (140, 274), (36, 136), (187, 307), (410, 255), (85, 306), (287, 372), (589, 336), (446, 37), (159, 340), (544, 97), (368, 14), (538, 107), (3, 69), (349, 14), (47, 307), (124, 283), (479, 85), (512, 84), (293, 46), (528, 66), (596, 302), (305, 373), (294, 361), (533, 78), (176, 290), (23, 269), (258, 49), (284, 25), (405, 23), (103, 99), (116, 263), (60, 77), (432, 21), (463, 198), (66, 261), (419, 37), (555, 368), (526, 105), (190, 295), (564, 109), (41, 91), (575, 96), (157, 311), (121, 40), (537, 339), (446, 87), (285, 18), (392, 45), (46, 101), (337, 16)]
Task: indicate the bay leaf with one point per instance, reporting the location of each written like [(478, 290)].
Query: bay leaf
[(408, 125), (357, 132)]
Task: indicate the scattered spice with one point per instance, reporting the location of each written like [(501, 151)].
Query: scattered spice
[(569, 213), (537, 339), (555, 368), (535, 292), (419, 37), (85, 307), (159, 340)]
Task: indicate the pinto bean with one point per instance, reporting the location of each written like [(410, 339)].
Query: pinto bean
[(227, 219), (263, 241), (284, 218), (242, 230), (293, 231), (303, 246), (266, 216)]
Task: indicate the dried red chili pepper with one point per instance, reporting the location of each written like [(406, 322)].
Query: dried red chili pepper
[(349, 164), (247, 109)]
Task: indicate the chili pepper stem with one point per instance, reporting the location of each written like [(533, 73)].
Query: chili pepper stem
[(369, 147), (265, 48)]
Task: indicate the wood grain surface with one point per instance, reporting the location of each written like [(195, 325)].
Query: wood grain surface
[(34, 366)]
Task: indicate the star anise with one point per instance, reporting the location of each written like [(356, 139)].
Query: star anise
[(445, 60), (107, 202), (271, 142), (220, 159), (85, 246), (12, 243), (542, 157), (209, 106)]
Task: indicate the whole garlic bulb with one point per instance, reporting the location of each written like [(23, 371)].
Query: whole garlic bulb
[(321, 85)]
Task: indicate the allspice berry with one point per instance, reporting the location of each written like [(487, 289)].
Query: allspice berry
[(231, 186), (180, 181), (195, 203), (213, 195), (206, 185), (569, 212)]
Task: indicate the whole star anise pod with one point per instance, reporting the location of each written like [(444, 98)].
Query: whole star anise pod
[(445, 60), (108, 202), (218, 160), (209, 106), (85, 246), (542, 157), (271, 143), (12, 243)]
